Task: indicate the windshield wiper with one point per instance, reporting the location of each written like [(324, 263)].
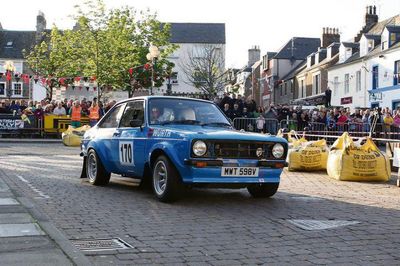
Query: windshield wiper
[(184, 122), (217, 124)]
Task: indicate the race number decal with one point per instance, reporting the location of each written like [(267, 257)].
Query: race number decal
[(126, 153)]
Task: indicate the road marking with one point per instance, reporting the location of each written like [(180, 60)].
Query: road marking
[(8, 201), (32, 187), (13, 230), (311, 225)]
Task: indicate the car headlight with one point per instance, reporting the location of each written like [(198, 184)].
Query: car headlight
[(278, 150), (199, 148)]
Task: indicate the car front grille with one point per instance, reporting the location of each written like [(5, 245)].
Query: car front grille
[(240, 149)]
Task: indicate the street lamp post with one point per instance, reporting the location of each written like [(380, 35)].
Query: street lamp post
[(10, 69), (152, 56)]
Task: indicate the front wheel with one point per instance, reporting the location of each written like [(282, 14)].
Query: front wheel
[(263, 190), (95, 170), (166, 182)]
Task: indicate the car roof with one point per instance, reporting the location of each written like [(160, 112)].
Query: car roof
[(162, 97)]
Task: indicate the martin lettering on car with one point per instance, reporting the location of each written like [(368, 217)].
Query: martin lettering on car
[(174, 142)]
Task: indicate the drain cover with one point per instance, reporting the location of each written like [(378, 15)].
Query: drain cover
[(321, 224), (101, 244)]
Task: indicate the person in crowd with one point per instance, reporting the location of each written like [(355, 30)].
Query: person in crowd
[(250, 104), (225, 100), (15, 107), (84, 107), (246, 114), (396, 119), (227, 111), (260, 123), (39, 112), (271, 115), (235, 113), (59, 110), (232, 101), (240, 102), (3, 109), (102, 112), (48, 109), (257, 112), (328, 96), (302, 122), (292, 123), (330, 121), (94, 113), (342, 121), (75, 114), (387, 123), (366, 122)]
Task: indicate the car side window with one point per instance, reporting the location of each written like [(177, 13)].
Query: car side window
[(133, 111), (113, 118)]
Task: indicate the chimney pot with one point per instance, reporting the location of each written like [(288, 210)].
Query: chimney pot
[(374, 10)]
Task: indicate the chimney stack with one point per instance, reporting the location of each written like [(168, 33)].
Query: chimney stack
[(371, 18), (254, 55), (329, 36), (40, 26)]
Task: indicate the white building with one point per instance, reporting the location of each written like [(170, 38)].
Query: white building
[(366, 74), (192, 38)]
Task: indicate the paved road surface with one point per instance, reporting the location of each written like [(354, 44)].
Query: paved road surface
[(358, 223)]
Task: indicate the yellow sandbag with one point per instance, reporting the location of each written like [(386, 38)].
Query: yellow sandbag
[(347, 161), (72, 136), (307, 155)]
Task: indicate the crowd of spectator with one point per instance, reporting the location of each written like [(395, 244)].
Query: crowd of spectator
[(47, 107), (297, 118)]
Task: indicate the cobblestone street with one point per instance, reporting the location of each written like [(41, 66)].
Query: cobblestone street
[(357, 223)]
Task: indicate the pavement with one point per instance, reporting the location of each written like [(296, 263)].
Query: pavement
[(27, 236), (313, 219)]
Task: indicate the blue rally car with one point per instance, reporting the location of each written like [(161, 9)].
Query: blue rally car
[(180, 142)]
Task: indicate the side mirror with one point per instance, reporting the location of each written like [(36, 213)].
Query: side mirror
[(136, 123)]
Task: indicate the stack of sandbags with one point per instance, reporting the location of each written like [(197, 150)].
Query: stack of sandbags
[(352, 162), (307, 155), (73, 136)]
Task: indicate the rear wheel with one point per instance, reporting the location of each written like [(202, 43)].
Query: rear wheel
[(265, 190), (95, 170), (166, 183)]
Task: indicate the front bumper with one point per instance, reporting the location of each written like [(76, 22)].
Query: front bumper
[(206, 171)]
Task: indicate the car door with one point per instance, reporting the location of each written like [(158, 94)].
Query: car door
[(130, 139), (106, 132)]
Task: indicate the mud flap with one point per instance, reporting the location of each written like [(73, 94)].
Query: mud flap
[(83, 173)]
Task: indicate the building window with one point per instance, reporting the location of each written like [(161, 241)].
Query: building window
[(316, 84), (346, 83), (370, 45), (17, 89), (291, 87), (384, 45), (3, 91), (285, 88), (174, 77), (302, 89), (335, 85), (396, 76), (358, 80), (281, 89), (375, 77)]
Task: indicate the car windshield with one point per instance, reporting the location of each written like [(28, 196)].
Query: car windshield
[(164, 111)]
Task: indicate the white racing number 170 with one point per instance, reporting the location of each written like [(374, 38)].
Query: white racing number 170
[(126, 153)]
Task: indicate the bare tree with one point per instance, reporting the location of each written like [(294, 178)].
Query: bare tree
[(203, 67)]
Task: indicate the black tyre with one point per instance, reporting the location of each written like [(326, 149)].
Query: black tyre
[(263, 190), (95, 170), (166, 182)]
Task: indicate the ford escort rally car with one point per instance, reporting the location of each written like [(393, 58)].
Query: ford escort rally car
[(179, 142)]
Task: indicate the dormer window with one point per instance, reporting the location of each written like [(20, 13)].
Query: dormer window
[(9, 44), (370, 45)]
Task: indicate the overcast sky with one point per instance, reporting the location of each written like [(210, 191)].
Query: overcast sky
[(266, 23)]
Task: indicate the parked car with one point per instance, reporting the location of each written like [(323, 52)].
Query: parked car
[(178, 142)]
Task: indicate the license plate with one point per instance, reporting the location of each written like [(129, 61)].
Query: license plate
[(239, 171)]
